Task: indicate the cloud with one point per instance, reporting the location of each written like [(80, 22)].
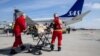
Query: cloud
[(29, 6), (4, 1), (96, 6), (41, 4), (93, 5), (35, 5), (93, 23)]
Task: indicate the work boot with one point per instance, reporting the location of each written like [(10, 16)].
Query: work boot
[(52, 47), (13, 51), (22, 47), (59, 48)]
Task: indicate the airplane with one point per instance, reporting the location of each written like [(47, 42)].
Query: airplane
[(74, 15)]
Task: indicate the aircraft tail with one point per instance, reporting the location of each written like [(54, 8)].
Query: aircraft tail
[(75, 10)]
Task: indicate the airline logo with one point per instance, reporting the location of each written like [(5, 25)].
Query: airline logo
[(74, 13), (75, 10)]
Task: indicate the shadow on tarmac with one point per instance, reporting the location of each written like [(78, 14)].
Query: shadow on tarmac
[(33, 49)]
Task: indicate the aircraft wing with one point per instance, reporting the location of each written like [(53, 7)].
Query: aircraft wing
[(77, 18), (30, 22), (45, 21)]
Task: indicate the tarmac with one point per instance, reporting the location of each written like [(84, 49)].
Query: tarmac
[(77, 43)]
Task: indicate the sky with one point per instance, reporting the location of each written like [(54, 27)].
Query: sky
[(46, 8)]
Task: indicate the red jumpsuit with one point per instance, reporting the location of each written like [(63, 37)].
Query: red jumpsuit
[(57, 31), (19, 26)]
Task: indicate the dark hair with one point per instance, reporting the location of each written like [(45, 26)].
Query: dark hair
[(16, 10)]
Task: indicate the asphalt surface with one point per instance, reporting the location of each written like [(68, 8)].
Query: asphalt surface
[(77, 43)]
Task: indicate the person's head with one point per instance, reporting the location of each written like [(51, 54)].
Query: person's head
[(18, 13), (56, 15), (16, 10)]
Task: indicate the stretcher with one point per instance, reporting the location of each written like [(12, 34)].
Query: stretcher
[(43, 41)]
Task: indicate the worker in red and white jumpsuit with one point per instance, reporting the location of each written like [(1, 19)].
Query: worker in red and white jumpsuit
[(57, 32), (19, 27)]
